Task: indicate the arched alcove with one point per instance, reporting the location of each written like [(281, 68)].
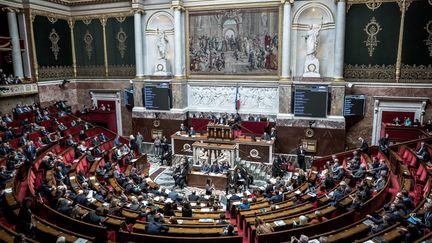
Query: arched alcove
[(305, 16)]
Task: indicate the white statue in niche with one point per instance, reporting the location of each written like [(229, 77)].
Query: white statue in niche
[(162, 44), (311, 68), (312, 38)]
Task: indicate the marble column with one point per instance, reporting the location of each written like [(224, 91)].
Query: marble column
[(25, 36), (178, 48), (138, 45), (337, 98), (285, 91), (339, 40), (143, 40), (286, 36), (16, 48)]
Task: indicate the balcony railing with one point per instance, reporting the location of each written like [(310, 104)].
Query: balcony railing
[(18, 89)]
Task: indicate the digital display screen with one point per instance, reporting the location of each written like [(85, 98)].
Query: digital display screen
[(310, 100), (354, 105), (157, 96)]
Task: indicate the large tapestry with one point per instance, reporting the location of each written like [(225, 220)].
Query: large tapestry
[(235, 42)]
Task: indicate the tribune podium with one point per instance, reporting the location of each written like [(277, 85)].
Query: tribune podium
[(219, 131)]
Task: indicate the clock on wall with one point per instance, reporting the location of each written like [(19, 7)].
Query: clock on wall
[(311, 67)]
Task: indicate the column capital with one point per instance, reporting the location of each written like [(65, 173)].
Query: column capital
[(11, 10), (71, 23), (138, 11), (177, 5), (103, 19), (287, 1)]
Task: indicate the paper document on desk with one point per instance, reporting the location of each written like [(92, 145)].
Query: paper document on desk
[(206, 220), (80, 240), (368, 222), (180, 221), (280, 223)]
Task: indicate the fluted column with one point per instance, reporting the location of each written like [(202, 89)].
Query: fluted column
[(286, 36), (25, 36), (16, 47), (143, 40), (177, 7), (139, 57), (339, 40)]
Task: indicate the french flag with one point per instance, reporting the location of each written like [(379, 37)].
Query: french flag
[(237, 99)]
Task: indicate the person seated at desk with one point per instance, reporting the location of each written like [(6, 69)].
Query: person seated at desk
[(214, 168), (273, 133), (224, 167), (155, 227), (266, 137), (205, 168), (192, 132), (193, 197), (183, 128), (221, 120), (251, 118), (423, 152), (407, 122)]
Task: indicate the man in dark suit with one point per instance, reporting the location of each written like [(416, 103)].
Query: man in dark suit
[(273, 133), (155, 227), (95, 142), (265, 137), (89, 157), (364, 147), (193, 197), (214, 168), (301, 153), (384, 143), (232, 182), (423, 153), (183, 128), (192, 132)]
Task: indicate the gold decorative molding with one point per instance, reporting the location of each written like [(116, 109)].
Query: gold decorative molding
[(87, 21), (372, 29), (373, 4), (11, 9), (84, 2), (52, 18), (416, 73), (88, 40), (120, 19), (428, 41), (54, 38), (91, 71), (49, 14), (55, 72), (401, 4), (386, 73), (121, 42), (287, 1), (369, 72), (122, 70)]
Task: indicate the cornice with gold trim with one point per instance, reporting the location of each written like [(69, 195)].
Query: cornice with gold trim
[(71, 3)]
